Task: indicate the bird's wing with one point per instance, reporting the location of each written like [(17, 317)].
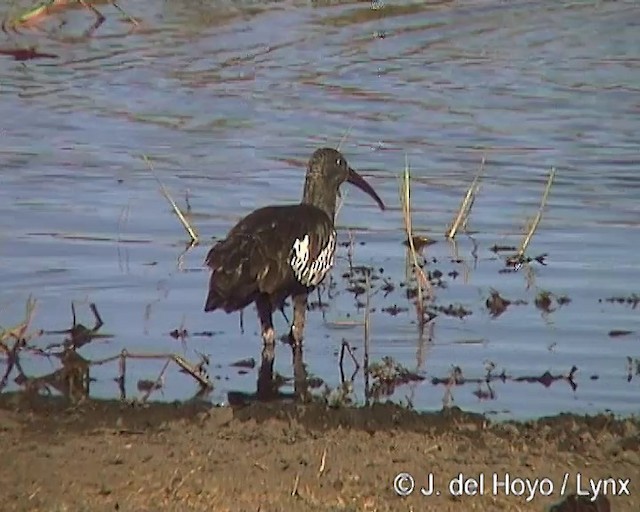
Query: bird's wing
[(268, 252)]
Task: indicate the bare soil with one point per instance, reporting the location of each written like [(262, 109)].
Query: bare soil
[(276, 456)]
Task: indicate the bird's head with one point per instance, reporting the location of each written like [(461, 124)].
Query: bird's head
[(330, 166)]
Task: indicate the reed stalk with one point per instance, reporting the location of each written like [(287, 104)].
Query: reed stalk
[(405, 200), (467, 203), (183, 220), (536, 221)]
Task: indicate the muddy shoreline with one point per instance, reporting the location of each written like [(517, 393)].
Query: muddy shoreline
[(107, 455)]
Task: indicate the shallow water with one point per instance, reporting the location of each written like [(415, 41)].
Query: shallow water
[(229, 109)]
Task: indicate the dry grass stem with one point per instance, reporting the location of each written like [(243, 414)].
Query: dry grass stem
[(421, 278), (343, 139), (181, 482), (126, 14), (466, 204), (367, 319), (296, 482), (323, 462), (183, 220), (342, 195), (538, 217), (158, 384), (350, 251), (18, 331), (50, 7), (21, 337)]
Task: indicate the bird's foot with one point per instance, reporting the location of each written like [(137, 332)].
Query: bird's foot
[(269, 337), (295, 336), (266, 389)]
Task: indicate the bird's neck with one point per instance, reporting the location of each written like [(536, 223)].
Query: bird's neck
[(317, 195)]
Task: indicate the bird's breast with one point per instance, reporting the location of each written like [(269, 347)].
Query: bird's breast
[(310, 270)]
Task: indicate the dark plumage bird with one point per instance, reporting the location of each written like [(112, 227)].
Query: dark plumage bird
[(284, 251)]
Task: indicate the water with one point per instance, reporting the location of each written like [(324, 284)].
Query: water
[(229, 109)]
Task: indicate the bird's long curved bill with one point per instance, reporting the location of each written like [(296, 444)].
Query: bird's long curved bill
[(355, 179)]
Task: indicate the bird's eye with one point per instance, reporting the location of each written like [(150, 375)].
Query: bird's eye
[(339, 162)]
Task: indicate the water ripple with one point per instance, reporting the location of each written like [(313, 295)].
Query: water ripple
[(229, 98)]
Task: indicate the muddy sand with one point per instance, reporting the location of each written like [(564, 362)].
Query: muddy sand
[(101, 456)]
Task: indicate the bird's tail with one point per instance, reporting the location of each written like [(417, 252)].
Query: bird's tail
[(214, 298), (231, 286)]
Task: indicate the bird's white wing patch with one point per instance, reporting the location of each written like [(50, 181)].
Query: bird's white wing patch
[(312, 272), (300, 255)]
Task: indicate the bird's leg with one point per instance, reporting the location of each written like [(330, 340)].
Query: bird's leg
[(299, 314), (265, 374), (265, 313), (266, 389), (300, 377)]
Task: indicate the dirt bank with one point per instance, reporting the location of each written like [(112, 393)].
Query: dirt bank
[(283, 457)]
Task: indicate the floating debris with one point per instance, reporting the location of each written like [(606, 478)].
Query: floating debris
[(458, 311), (544, 301), (245, 363), (387, 375), (22, 54), (206, 334), (179, 334), (497, 304), (502, 248), (146, 385), (632, 300), (387, 287), (515, 262), (633, 367), (616, 333), (394, 310), (546, 379), (419, 242)]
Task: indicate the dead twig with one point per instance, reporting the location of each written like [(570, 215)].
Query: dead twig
[(79, 335), (347, 348), (19, 334)]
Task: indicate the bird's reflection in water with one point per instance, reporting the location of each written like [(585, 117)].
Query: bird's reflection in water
[(269, 384)]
